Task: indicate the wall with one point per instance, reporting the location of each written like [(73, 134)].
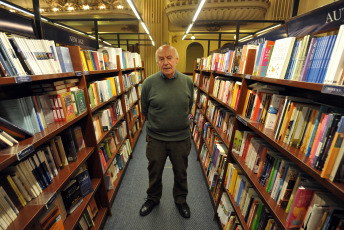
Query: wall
[(308, 5), (181, 46)]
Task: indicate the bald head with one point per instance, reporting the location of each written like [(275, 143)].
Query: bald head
[(166, 47)]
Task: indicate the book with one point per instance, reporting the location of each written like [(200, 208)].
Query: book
[(51, 219), (84, 180), (72, 196), (280, 57)]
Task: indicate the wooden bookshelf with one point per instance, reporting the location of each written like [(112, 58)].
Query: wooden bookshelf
[(296, 156)]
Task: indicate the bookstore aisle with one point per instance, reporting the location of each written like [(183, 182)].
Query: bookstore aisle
[(131, 194)]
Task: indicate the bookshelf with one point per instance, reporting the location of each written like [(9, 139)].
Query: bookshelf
[(14, 87), (331, 95)]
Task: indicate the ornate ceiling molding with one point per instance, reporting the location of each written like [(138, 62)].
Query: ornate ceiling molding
[(181, 12)]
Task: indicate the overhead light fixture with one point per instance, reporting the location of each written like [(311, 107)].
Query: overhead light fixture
[(131, 4), (70, 8), (189, 28), (86, 7), (107, 43), (193, 37), (198, 11), (41, 10), (102, 7), (144, 27), (55, 9), (245, 38), (199, 8), (133, 8), (119, 7), (267, 29)]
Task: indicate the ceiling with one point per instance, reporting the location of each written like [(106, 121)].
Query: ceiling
[(217, 16)]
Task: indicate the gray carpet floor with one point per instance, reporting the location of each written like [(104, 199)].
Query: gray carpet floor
[(165, 216)]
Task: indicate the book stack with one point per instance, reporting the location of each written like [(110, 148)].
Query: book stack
[(87, 219), (128, 81), (258, 102), (223, 119), (206, 82), (94, 60), (248, 57), (196, 79), (101, 91), (22, 56), (202, 102), (134, 129), (227, 91), (130, 98), (255, 214)]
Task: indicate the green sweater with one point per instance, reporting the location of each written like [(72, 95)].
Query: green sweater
[(166, 104)]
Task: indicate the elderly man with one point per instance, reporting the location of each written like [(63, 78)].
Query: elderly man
[(166, 100)]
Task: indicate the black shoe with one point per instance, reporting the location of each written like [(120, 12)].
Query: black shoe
[(184, 210), (147, 207)]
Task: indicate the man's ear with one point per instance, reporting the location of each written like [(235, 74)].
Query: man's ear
[(177, 60)]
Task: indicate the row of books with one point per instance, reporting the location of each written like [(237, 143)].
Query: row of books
[(226, 214), (222, 118), (203, 101), (196, 134), (87, 219), (126, 58), (227, 91), (35, 113), (256, 216), (133, 113), (317, 59), (119, 161), (136, 127), (22, 56), (103, 90), (301, 123), (282, 179), (131, 79), (199, 118), (130, 98), (197, 78), (26, 180), (214, 161), (105, 119), (206, 82)]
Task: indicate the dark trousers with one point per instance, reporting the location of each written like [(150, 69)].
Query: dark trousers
[(178, 152)]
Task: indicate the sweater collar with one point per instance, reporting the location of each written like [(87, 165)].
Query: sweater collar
[(174, 76)]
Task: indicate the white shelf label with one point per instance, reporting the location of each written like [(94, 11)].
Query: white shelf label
[(22, 79), (25, 152)]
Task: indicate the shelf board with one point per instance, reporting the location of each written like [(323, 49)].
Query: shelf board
[(297, 156), (229, 74), (57, 76), (9, 155), (101, 71), (74, 218), (296, 84), (105, 102), (277, 212), (238, 212), (222, 103)]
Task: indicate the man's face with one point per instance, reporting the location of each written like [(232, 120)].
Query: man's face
[(167, 61)]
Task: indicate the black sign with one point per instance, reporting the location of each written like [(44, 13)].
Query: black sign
[(325, 18), (16, 24), (65, 36), (333, 89)]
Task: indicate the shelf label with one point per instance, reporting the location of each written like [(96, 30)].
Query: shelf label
[(22, 79), (86, 72), (25, 152), (242, 120), (229, 74), (247, 76), (51, 200), (333, 89), (78, 73)]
